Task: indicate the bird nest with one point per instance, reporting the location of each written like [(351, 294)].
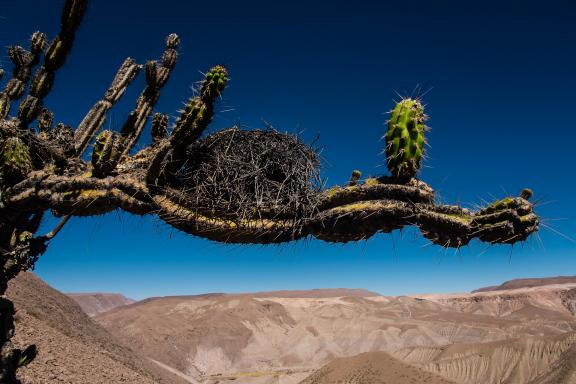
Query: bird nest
[(245, 175)]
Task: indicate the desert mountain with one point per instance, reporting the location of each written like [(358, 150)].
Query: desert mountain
[(372, 368), (95, 303), (521, 360), (72, 348), (529, 283), (254, 338)]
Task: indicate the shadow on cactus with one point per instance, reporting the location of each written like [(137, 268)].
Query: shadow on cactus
[(237, 186)]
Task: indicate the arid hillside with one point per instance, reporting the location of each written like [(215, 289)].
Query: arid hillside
[(95, 303), (528, 359), (72, 348), (525, 335), (232, 337), (372, 368)]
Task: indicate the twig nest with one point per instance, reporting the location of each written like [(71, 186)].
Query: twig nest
[(253, 174)]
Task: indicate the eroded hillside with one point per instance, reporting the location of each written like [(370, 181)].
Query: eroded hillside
[(213, 335)]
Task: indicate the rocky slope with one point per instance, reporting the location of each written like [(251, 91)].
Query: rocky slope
[(95, 303), (71, 347), (372, 368), (524, 360), (211, 335), (556, 302), (525, 335)]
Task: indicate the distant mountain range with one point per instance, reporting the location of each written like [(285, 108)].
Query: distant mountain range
[(529, 283), (524, 334)]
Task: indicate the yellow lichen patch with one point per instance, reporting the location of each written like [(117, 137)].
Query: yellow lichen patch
[(333, 191), (461, 218), (92, 193), (364, 206), (371, 181), (179, 210)]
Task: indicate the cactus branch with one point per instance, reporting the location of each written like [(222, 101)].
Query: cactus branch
[(157, 75), (54, 58), (95, 118)]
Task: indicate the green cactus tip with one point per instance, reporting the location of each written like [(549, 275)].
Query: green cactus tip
[(215, 81), (405, 138)]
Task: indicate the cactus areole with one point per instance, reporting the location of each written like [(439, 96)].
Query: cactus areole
[(233, 186)]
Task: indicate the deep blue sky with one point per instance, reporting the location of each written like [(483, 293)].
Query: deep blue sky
[(502, 113)]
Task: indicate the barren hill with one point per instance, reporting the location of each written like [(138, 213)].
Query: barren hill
[(528, 283), (95, 303), (72, 348), (215, 336), (529, 360), (372, 368), (525, 335)]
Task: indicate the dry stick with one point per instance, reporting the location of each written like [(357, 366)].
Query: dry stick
[(50, 235), (95, 118)]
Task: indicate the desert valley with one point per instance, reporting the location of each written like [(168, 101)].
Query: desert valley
[(523, 331)]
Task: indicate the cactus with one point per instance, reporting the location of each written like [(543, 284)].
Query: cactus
[(230, 186), (405, 138), (159, 127), (106, 153), (15, 160)]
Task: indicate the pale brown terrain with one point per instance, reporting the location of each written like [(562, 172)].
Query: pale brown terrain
[(529, 283), (372, 368), (95, 303), (525, 335), (258, 338), (72, 348), (523, 360)]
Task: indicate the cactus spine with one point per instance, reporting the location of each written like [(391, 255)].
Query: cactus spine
[(405, 138)]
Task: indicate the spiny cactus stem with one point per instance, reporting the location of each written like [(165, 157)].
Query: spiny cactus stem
[(159, 127), (24, 61), (192, 122), (54, 58), (157, 75), (95, 118)]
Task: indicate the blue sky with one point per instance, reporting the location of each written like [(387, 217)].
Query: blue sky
[(502, 108)]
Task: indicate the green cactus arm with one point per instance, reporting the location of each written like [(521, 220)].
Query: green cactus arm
[(54, 58), (96, 117), (157, 75), (24, 61)]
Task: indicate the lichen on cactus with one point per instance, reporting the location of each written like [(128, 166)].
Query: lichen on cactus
[(106, 153), (405, 138), (15, 159)]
